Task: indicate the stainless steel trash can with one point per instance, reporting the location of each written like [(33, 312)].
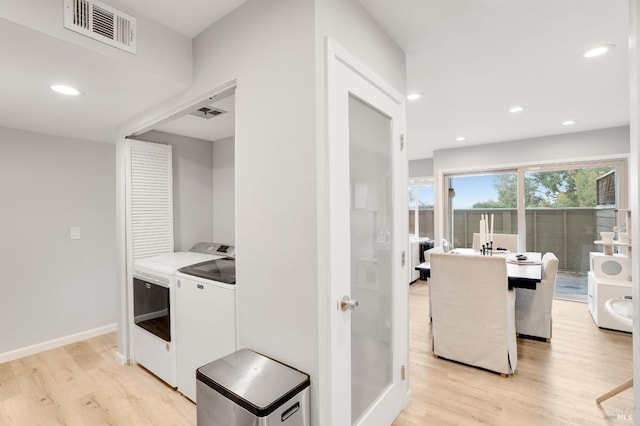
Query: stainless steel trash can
[(246, 388)]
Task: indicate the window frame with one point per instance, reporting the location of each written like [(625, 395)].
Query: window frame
[(413, 184), (622, 185)]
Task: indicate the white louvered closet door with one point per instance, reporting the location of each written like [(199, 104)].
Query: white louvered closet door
[(149, 199)]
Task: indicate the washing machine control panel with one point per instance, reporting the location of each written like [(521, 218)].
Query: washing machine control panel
[(215, 248)]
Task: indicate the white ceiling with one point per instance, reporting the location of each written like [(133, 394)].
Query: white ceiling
[(473, 59), (32, 61), (212, 129), (185, 17), (470, 59), (190, 19), (115, 91)]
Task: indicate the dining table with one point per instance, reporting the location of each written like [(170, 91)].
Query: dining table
[(524, 271)]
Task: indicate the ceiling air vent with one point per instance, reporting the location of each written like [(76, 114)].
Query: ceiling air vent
[(101, 22), (207, 112)]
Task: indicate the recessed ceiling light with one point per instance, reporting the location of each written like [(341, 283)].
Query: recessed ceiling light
[(598, 51), (515, 109), (568, 122), (414, 96), (461, 138), (66, 90)]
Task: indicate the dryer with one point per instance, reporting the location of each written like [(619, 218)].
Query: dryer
[(154, 325)]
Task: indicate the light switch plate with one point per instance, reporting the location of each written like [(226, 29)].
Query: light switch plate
[(74, 233)]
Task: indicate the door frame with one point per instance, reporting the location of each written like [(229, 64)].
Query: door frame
[(124, 349), (333, 368)]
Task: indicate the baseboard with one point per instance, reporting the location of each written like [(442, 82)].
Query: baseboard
[(56, 343), (409, 398), (121, 359)]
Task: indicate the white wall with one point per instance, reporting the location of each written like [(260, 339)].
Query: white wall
[(53, 286), (224, 186), (173, 61), (192, 187), (347, 22), (269, 48), (556, 148), (421, 168)]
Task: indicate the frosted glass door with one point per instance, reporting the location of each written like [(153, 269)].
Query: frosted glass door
[(371, 235), (367, 234)]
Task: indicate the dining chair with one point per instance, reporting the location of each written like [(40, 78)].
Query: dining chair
[(507, 241), (427, 258), (473, 311), (533, 307), (428, 253)]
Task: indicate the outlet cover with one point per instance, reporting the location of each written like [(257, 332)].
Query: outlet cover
[(74, 233)]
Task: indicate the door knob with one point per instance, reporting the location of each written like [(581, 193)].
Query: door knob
[(348, 304)]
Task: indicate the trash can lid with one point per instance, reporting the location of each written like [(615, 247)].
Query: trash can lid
[(257, 383)]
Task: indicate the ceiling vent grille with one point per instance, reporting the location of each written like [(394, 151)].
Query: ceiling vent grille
[(101, 22), (207, 112)]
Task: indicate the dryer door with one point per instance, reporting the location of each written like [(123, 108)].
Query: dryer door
[(151, 308)]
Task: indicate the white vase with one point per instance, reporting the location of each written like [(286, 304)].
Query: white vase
[(607, 237)]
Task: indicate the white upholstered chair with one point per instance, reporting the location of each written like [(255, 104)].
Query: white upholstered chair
[(427, 253), (427, 258), (473, 311), (507, 241), (533, 307)]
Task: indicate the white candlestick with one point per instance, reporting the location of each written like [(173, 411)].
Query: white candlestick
[(491, 232), (486, 233), (486, 229), (482, 231)]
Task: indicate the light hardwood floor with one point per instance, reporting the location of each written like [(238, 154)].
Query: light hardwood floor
[(81, 384), (555, 384)]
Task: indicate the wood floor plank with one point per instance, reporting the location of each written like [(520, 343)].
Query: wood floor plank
[(81, 384), (9, 386), (85, 355)]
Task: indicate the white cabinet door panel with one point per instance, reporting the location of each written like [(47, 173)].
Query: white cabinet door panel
[(205, 328)]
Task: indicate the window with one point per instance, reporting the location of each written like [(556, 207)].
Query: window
[(471, 196), (563, 216), (553, 208), (421, 197)]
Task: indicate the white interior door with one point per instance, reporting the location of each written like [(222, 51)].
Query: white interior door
[(368, 243)]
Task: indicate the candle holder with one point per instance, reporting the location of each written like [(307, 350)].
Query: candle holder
[(487, 249)]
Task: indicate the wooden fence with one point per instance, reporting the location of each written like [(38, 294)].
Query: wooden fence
[(567, 232)]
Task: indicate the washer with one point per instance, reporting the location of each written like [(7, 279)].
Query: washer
[(205, 318), (154, 325)]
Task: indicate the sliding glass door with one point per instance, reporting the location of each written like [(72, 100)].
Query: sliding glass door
[(471, 196), (566, 209), (553, 208)]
